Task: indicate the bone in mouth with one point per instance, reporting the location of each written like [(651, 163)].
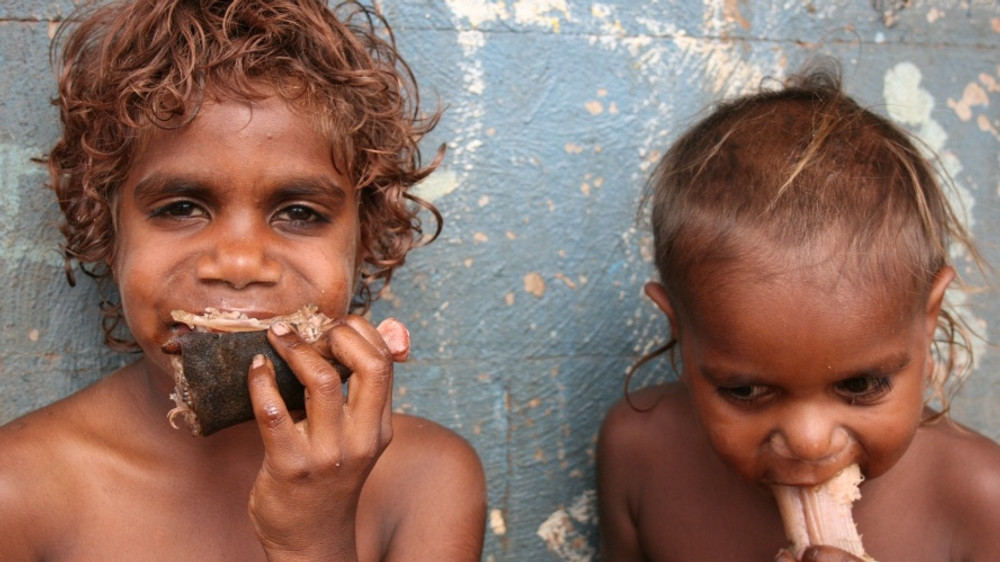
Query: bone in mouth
[(821, 514), (210, 365)]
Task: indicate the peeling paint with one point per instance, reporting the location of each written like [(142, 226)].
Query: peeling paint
[(497, 524), (477, 12), (910, 104), (534, 284), (974, 95), (542, 13), (560, 532), (442, 182), (906, 101)]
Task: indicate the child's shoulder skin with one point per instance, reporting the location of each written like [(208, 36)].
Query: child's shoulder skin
[(666, 495), (101, 475)]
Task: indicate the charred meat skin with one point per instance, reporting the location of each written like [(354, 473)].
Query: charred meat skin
[(215, 370)]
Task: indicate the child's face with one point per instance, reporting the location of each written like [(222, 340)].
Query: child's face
[(241, 210), (796, 376)]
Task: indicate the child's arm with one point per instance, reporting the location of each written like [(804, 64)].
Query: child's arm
[(619, 537), (974, 495)]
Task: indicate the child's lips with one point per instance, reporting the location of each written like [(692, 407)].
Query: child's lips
[(805, 475), (178, 328)]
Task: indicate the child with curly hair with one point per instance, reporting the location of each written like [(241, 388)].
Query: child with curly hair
[(251, 157), (802, 244)]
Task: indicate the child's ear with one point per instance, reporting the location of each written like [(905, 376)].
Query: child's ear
[(935, 300), (658, 294)]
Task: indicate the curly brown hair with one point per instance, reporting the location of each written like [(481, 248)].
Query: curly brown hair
[(128, 66), (799, 165)]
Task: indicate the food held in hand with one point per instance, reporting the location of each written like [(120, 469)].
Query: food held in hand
[(211, 363), (821, 514)]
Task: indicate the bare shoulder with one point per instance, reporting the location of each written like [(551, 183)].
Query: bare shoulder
[(35, 454), (61, 451), (656, 414), (431, 488), (426, 449), (967, 478), (637, 462)]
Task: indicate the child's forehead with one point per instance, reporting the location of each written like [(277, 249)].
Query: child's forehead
[(264, 141), (822, 279)]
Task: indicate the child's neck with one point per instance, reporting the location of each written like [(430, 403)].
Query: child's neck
[(151, 389)]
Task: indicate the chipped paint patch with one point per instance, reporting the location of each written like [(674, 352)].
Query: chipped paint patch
[(723, 63), (540, 12), (908, 103), (974, 95), (477, 12), (437, 185), (534, 284), (560, 532), (497, 524)]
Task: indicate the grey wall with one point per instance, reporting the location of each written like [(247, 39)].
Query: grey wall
[(527, 311)]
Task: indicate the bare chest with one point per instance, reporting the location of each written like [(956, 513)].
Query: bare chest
[(729, 521), (131, 517)]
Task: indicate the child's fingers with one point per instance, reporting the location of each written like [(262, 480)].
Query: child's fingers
[(817, 554), (361, 348), (273, 419), (396, 337), (324, 402)]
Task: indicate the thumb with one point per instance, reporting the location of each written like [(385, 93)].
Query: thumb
[(785, 556), (821, 553), (397, 338)]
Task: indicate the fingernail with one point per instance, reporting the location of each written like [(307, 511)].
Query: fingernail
[(258, 361), (280, 328)]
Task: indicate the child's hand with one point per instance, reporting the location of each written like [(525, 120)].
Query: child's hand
[(818, 554), (305, 498)]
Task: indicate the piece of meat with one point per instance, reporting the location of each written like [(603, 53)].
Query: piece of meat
[(211, 363), (821, 514)]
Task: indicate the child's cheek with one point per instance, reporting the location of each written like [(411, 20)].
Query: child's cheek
[(737, 440)]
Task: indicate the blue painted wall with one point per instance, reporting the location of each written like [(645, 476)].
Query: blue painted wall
[(527, 311)]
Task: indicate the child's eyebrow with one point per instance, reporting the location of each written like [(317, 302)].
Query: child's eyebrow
[(158, 185), (307, 187), (888, 365)]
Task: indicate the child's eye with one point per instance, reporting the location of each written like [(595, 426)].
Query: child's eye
[(864, 389), (300, 215), (178, 209), (743, 394)]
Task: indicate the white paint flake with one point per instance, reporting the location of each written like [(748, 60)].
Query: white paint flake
[(560, 533), (442, 182), (477, 12)]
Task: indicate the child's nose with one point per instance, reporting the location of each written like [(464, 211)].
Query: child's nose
[(238, 259), (810, 433)]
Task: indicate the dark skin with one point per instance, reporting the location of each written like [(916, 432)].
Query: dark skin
[(687, 478), (241, 210)]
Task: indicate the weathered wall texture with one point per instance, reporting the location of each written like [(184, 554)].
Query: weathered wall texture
[(528, 310)]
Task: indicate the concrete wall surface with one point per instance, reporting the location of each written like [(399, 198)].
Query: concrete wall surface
[(528, 310)]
